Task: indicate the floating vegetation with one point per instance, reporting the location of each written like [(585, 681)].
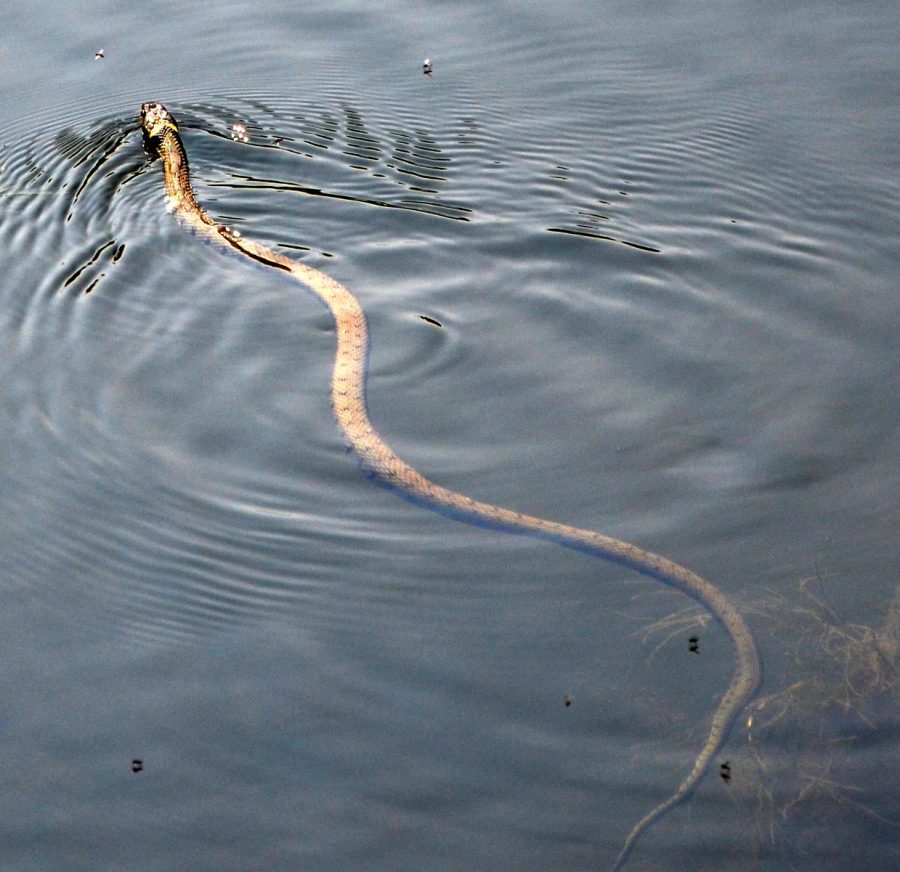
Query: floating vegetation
[(815, 769), (841, 665), (817, 790)]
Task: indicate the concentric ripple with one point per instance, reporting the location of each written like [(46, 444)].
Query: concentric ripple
[(149, 393)]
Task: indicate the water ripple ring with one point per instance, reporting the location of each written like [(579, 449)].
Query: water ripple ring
[(348, 398)]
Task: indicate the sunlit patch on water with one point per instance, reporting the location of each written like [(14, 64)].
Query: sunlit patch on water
[(239, 133)]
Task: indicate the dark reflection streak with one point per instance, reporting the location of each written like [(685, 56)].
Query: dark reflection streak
[(429, 155), (360, 137), (72, 146), (437, 209), (434, 151), (93, 260), (134, 174), (408, 172), (404, 155), (34, 171), (328, 131), (405, 158), (107, 153), (361, 155), (366, 143), (264, 107), (422, 167), (426, 206), (295, 247), (78, 149), (593, 215), (607, 238), (326, 122), (363, 152), (323, 139)]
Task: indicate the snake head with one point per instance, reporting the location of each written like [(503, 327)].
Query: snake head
[(155, 121)]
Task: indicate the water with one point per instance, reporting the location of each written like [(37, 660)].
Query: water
[(660, 244)]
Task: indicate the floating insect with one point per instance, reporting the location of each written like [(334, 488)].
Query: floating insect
[(725, 772), (694, 645), (427, 67)]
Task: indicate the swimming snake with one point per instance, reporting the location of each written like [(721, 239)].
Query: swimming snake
[(162, 139)]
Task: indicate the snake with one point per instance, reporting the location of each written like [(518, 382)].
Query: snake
[(348, 397)]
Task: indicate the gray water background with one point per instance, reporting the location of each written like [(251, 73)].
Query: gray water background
[(660, 239)]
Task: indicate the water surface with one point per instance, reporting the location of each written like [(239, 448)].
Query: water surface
[(659, 245)]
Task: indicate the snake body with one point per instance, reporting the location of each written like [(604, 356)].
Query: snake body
[(378, 459)]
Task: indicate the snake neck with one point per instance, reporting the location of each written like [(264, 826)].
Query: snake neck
[(178, 177)]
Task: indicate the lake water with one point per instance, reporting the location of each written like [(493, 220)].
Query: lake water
[(659, 242)]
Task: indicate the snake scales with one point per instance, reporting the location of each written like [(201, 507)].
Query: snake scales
[(348, 398)]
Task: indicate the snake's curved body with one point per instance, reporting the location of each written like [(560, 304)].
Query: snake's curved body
[(348, 398)]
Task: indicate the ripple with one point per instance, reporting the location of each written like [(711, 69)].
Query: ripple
[(153, 400)]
